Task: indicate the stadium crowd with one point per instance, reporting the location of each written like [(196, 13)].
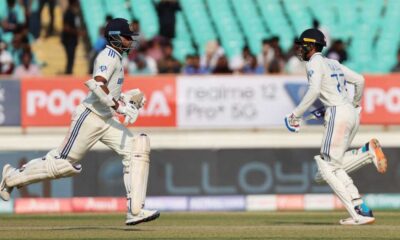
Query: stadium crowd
[(155, 56), (21, 25)]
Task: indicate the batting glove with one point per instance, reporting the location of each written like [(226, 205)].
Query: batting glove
[(134, 96), (292, 123), (129, 111)]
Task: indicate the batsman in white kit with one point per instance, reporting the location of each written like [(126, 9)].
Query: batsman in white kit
[(327, 81), (95, 119)]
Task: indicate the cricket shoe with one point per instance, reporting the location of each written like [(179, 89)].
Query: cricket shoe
[(379, 158), (363, 210), (143, 216), (5, 191), (361, 220)]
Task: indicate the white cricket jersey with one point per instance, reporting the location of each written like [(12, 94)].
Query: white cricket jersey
[(327, 80), (108, 64)]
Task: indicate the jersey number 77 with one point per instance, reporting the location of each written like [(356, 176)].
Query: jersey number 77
[(341, 86)]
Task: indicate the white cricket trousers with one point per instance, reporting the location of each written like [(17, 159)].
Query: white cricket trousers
[(87, 128), (341, 125)]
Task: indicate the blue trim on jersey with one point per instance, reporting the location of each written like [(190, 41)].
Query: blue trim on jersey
[(112, 52), (327, 134), (74, 134), (333, 127), (328, 139)]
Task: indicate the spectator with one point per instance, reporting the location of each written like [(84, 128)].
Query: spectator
[(141, 64), (136, 28), (192, 66), (154, 49), (15, 16), (6, 60), (251, 66), (19, 43), (275, 44), (396, 68), (324, 30), (237, 63), (166, 15), (168, 64), (210, 58), (337, 51), (51, 6), (27, 68), (276, 66), (222, 66), (70, 33), (32, 16), (108, 19), (267, 54), (294, 65), (271, 56)]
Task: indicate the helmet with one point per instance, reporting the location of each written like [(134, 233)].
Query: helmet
[(308, 39), (118, 27)]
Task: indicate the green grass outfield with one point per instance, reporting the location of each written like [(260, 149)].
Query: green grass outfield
[(216, 225)]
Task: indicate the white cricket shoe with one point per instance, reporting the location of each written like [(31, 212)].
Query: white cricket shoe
[(143, 216), (5, 191), (362, 220), (379, 158)]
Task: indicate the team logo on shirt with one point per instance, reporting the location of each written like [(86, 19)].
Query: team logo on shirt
[(103, 68), (120, 80), (310, 73)]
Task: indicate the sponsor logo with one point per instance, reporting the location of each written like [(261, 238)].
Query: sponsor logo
[(56, 102), (157, 105), (381, 100), (50, 102), (389, 99), (42, 205), (98, 204)]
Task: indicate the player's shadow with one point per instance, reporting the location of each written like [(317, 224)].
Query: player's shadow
[(302, 223), (127, 229)]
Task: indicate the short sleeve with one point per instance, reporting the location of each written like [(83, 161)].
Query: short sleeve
[(104, 66)]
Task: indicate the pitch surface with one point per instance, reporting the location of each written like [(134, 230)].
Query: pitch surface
[(216, 225)]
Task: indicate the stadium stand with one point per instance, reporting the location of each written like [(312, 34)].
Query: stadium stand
[(199, 22), (367, 28)]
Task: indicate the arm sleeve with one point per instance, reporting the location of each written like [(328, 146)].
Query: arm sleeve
[(357, 80), (314, 74), (104, 66)]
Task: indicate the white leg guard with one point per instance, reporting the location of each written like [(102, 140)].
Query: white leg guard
[(352, 161), (328, 172), (350, 187), (39, 169), (136, 175)]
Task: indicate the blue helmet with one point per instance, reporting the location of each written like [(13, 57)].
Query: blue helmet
[(118, 27), (310, 39)]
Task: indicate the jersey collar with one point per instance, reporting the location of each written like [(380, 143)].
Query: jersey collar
[(315, 54), (113, 49)]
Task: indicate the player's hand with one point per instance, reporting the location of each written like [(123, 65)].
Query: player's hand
[(292, 123), (130, 112), (134, 96)]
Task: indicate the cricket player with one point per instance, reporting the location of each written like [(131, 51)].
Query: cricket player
[(327, 81), (95, 119)]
